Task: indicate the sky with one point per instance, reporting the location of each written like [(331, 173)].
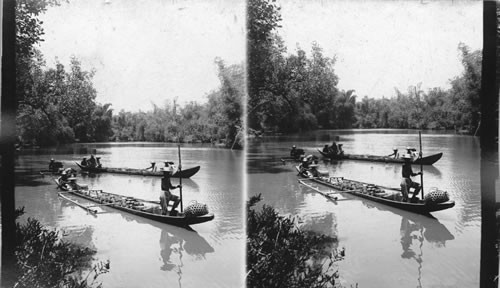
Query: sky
[(382, 45), (152, 51), (147, 51)]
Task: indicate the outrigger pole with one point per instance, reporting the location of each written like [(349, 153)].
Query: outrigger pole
[(421, 165), (180, 178)]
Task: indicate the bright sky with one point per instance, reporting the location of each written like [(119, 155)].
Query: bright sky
[(147, 51), (385, 44)]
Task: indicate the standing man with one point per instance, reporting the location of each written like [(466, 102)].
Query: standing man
[(406, 182), (166, 195)]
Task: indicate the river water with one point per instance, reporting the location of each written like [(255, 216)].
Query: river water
[(145, 253), (385, 247)]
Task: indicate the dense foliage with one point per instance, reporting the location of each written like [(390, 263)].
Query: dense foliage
[(44, 260), (59, 106), (281, 255), (290, 92), (455, 108), (54, 105), (294, 92), (218, 120)]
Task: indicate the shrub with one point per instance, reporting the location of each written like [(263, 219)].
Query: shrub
[(279, 254), (44, 260)]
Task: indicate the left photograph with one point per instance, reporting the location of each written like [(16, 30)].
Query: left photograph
[(129, 161)]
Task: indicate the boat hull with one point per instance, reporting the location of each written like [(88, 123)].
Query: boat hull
[(187, 173), (428, 160), (420, 207), (181, 221)]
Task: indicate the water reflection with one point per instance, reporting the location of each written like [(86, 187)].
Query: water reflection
[(433, 231), (175, 242), (414, 230), (407, 238), (325, 224)]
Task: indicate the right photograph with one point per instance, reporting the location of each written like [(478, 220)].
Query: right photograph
[(363, 143)]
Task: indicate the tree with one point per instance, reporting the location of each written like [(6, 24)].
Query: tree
[(465, 91), (263, 19), (56, 106), (101, 122)]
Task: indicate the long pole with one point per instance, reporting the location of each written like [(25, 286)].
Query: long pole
[(180, 178), (421, 165)]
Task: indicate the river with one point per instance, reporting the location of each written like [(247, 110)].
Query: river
[(384, 247), (144, 253)]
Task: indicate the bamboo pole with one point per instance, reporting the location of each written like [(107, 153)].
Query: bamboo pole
[(421, 165), (180, 178)]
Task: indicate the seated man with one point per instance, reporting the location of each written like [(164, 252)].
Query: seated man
[(71, 185), (296, 153), (55, 166), (52, 165), (326, 149), (394, 153), (92, 162), (313, 168), (64, 177), (340, 152), (334, 149), (98, 160), (166, 195), (152, 167)]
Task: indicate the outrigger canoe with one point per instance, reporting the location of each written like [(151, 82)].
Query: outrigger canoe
[(185, 173), (143, 208), (428, 160), (384, 195)]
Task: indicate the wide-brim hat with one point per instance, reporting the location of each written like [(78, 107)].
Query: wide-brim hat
[(168, 169)]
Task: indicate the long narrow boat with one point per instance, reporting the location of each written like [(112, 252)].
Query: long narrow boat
[(428, 160), (184, 173), (387, 196), (144, 208)]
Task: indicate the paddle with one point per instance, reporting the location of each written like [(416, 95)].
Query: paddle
[(180, 178), (421, 165)]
